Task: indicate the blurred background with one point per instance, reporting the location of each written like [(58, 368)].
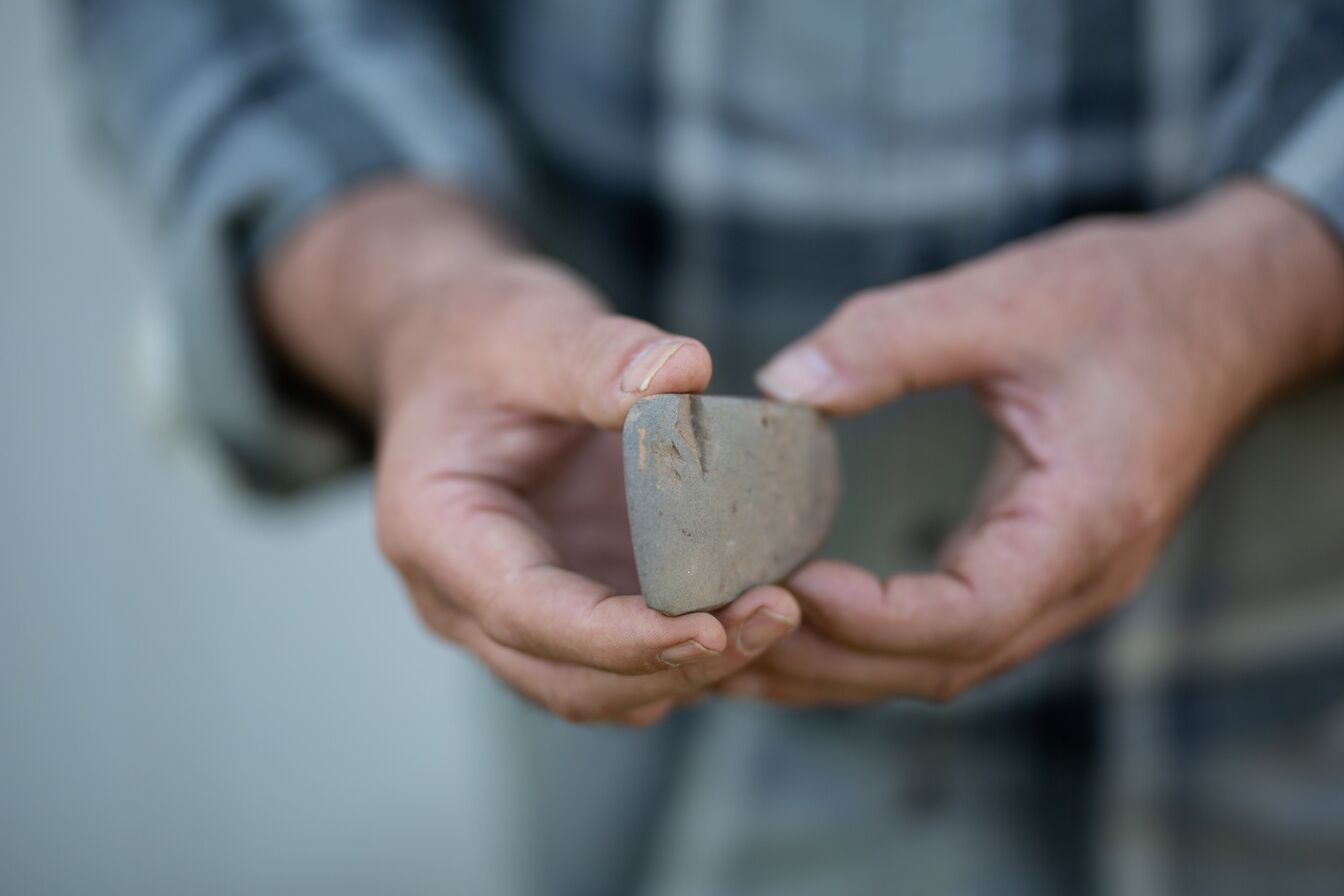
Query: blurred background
[(197, 694)]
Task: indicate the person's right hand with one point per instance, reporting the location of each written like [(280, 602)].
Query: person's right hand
[(498, 493)]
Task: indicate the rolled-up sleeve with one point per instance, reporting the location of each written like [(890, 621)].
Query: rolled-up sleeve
[(233, 120), (1282, 114)]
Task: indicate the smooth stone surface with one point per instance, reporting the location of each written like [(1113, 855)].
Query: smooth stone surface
[(725, 494)]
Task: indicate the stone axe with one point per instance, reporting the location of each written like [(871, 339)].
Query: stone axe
[(724, 494)]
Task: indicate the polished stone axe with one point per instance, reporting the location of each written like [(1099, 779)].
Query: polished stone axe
[(724, 494)]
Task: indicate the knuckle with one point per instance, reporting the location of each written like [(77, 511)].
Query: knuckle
[(570, 708), (433, 614), (697, 676), (518, 289), (570, 713), (582, 706), (608, 331), (499, 624), (983, 632), (856, 324), (606, 649), (391, 536), (1136, 506), (949, 684), (436, 621), (645, 717), (814, 675), (1140, 510), (978, 642)]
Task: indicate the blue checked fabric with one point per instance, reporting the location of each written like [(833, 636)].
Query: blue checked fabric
[(734, 170)]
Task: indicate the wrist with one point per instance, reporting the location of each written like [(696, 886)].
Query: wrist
[(1269, 276)]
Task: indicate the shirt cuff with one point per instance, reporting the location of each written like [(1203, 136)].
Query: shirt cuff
[(265, 167), (1309, 162)]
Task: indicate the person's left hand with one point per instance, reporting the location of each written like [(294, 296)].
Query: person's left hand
[(1117, 357)]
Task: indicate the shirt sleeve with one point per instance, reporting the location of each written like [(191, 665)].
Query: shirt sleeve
[(1283, 112), (232, 120)]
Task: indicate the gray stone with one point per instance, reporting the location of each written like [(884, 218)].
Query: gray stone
[(724, 494)]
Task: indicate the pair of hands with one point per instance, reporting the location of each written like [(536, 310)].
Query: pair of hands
[(1116, 356)]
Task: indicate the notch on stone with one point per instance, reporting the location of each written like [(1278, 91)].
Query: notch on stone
[(725, 494)]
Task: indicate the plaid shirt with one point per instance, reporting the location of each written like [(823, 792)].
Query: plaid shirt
[(733, 169)]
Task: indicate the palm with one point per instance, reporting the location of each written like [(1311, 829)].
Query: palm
[(582, 500), (561, 480)]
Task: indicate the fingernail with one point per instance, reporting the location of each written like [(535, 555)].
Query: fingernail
[(796, 373), (763, 628), (645, 365), (687, 652)]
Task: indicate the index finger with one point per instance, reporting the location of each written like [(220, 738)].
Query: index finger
[(1003, 572)]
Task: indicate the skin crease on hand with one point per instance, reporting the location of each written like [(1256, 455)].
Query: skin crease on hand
[(495, 381), (1117, 357)]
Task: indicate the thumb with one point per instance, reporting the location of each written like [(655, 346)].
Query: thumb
[(886, 342), (578, 362)]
